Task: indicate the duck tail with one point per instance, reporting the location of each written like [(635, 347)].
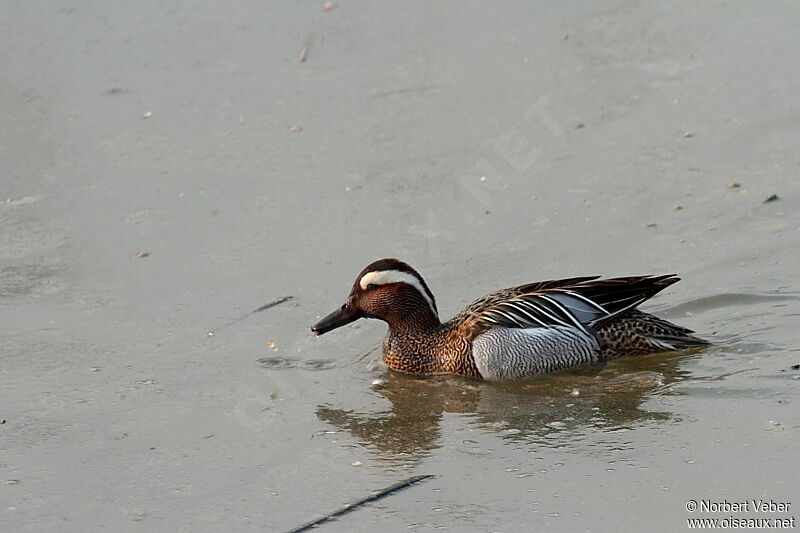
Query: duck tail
[(639, 333), (672, 343)]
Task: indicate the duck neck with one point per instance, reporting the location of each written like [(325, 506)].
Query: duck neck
[(414, 323)]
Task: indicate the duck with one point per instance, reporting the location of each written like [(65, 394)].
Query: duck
[(511, 334)]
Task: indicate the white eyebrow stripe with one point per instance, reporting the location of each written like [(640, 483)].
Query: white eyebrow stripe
[(382, 277)]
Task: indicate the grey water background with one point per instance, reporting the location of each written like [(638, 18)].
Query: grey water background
[(169, 168)]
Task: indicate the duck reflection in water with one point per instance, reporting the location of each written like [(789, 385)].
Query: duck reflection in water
[(551, 411)]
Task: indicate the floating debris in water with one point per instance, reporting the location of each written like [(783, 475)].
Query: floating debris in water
[(304, 51), (378, 382), (688, 134), (677, 207), (356, 463), (147, 115), (264, 307), (95, 368), (734, 185), (143, 254), (771, 198), (358, 503), (273, 304), (272, 345), (575, 392), (327, 6)]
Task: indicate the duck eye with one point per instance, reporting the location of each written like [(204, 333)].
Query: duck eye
[(371, 286)]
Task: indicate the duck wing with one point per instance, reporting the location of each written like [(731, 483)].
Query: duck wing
[(490, 300), (585, 304)]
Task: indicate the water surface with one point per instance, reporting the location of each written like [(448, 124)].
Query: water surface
[(167, 170)]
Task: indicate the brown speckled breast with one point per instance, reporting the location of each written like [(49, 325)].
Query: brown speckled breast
[(441, 351)]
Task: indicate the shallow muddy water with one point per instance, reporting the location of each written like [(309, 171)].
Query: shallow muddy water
[(169, 170)]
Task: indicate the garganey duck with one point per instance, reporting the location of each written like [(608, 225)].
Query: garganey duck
[(513, 333)]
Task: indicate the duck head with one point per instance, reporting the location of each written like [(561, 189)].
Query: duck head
[(390, 290)]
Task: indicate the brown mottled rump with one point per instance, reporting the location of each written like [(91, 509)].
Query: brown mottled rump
[(628, 335)]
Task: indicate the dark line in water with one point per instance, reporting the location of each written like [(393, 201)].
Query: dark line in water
[(271, 304), (358, 503), (264, 307)]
